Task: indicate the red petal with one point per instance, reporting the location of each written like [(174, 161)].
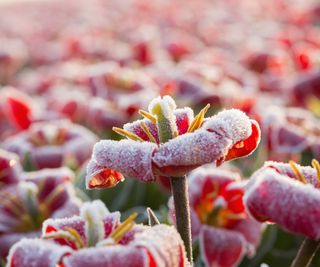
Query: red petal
[(99, 177), (221, 247), (248, 145), (18, 110)]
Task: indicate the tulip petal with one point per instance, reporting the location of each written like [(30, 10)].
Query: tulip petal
[(184, 117), (309, 173), (190, 150), (233, 124), (130, 158), (293, 205), (163, 243), (135, 127), (111, 256), (221, 247), (251, 231), (36, 253), (247, 146), (7, 240)]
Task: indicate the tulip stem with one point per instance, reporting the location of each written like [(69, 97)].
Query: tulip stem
[(306, 253), (179, 187)]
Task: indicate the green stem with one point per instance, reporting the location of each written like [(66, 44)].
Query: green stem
[(179, 187), (306, 253)]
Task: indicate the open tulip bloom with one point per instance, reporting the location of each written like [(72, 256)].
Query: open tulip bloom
[(171, 142), (52, 144), (97, 238), (288, 195), (32, 199), (218, 217)]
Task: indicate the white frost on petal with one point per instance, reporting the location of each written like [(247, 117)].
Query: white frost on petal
[(285, 169), (217, 243), (164, 243), (232, 123), (288, 202), (116, 255), (167, 105), (36, 252), (60, 223), (131, 158), (192, 149), (93, 213), (185, 111)]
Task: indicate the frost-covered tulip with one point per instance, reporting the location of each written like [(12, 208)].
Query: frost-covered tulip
[(171, 142), (291, 130), (218, 218), (288, 195), (97, 238), (37, 196), (52, 144)]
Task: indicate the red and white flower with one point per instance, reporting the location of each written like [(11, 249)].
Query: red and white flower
[(98, 238), (31, 199), (288, 195), (189, 143), (52, 144), (218, 218)]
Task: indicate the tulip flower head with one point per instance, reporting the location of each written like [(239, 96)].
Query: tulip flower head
[(52, 144), (98, 238), (218, 217), (170, 142), (288, 195), (31, 200)]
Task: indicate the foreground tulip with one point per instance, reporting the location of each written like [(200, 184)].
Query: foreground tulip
[(171, 142), (28, 202), (287, 194), (218, 218), (52, 144), (97, 238)]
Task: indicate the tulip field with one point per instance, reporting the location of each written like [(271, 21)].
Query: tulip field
[(159, 133)]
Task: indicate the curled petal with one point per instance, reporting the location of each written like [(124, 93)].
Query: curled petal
[(276, 198), (233, 124), (130, 158), (36, 253), (184, 117), (7, 240), (221, 247), (164, 244), (100, 177), (309, 173), (190, 151), (246, 146), (108, 257)]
